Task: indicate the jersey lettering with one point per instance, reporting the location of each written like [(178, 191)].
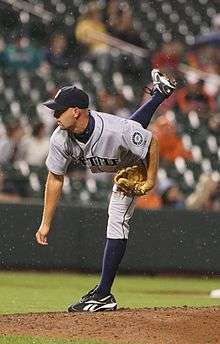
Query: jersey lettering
[(96, 161)]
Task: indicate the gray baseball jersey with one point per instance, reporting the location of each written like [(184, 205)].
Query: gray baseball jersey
[(115, 143)]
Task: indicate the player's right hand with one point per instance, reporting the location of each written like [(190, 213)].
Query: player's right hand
[(41, 235)]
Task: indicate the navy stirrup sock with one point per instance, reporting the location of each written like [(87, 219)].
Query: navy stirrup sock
[(113, 254), (144, 114)]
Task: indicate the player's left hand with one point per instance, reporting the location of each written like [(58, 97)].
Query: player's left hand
[(143, 188), (132, 181)]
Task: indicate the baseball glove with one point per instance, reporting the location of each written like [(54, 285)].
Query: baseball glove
[(132, 181)]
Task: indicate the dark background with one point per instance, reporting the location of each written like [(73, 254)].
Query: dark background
[(160, 241)]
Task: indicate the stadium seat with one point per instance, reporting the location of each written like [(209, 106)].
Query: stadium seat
[(158, 21)]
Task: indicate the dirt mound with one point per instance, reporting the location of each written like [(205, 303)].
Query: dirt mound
[(149, 326)]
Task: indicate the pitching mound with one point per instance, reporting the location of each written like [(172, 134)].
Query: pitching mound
[(152, 326)]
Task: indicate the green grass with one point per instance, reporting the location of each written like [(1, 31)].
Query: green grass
[(42, 292), (22, 292), (34, 340)]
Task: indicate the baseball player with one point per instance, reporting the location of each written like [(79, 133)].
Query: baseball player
[(103, 143)]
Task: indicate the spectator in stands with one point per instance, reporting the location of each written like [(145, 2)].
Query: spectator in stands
[(89, 32), (206, 193), (151, 201), (45, 117), (202, 57), (169, 57), (214, 124), (10, 143), (22, 55), (166, 194), (205, 57), (214, 199), (105, 101), (120, 22), (115, 104), (7, 194), (193, 97), (206, 51), (36, 146), (212, 81), (171, 195), (213, 36), (170, 144), (121, 106), (2, 53), (56, 55), (218, 101)]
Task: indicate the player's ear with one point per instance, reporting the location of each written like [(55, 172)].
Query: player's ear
[(76, 112)]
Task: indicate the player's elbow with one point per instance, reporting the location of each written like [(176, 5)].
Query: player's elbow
[(55, 177), (152, 163), (154, 144), (151, 183)]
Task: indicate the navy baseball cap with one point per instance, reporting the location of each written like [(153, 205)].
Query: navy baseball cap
[(68, 96)]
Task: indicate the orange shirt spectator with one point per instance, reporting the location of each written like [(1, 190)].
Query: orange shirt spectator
[(194, 98), (89, 28), (169, 57), (170, 144), (151, 201)]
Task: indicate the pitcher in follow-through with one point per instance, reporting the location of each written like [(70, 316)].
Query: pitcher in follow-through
[(103, 143)]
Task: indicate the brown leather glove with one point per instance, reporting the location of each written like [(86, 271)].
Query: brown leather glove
[(132, 181)]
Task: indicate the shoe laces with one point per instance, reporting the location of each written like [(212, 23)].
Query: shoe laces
[(149, 90), (90, 293)]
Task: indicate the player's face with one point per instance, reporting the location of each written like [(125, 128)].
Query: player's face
[(67, 119)]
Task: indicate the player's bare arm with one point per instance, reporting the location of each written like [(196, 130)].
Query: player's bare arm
[(149, 176), (53, 191), (152, 164)]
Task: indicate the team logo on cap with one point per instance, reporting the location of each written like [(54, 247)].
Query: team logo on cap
[(137, 138)]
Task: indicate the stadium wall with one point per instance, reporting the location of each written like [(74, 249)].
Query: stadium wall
[(160, 241)]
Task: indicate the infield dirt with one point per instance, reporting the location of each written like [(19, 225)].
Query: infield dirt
[(137, 326)]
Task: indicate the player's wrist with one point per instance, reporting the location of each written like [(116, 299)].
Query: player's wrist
[(150, 183), (147, 186), (45, 226)]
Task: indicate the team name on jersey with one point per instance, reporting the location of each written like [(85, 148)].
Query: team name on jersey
[(97, 161)]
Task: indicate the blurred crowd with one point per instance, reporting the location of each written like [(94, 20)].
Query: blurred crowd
[(102, 38)]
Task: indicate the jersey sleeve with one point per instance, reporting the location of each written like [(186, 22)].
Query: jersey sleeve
[(57, 160), (136, 139)]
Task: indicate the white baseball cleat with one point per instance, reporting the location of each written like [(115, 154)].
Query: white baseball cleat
[(162, 83)]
